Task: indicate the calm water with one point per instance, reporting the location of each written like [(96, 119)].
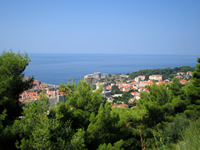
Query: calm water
[(57, 68)]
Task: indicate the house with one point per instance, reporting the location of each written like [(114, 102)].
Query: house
[(158, 83), (155, 77), (142, 77), (133, 107), (145, 83), (183, 81), (135, 93), (124, 76), (110, 99), (137, 97), (189, 73), (124, 84), (187, 76), (123, 105), (143, 89), (166, 80), (131, 100), (179, 76), (114, 105), (112, 84), (180, 73), (117, 95), (108, 87), (137, 79)]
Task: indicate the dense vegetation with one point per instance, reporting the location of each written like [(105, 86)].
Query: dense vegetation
[(167, 72), (165, 118)]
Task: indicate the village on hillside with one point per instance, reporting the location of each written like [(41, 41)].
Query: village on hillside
[(124, 84), (114, 88)]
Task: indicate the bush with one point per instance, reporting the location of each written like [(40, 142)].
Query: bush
[(173, 131)]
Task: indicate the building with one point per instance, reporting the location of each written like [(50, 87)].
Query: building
[(137, 79), (142, 77), (180, 73), (106, 93), (96, 75), (145, 83), (124, 76), (189, 73), (183, 81), (179, 76), (155, 77)]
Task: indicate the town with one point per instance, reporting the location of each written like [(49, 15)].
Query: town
[(114, 88)]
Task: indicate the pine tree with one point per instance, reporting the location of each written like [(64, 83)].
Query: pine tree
[(193, 109), (34, 125), (12, 84)]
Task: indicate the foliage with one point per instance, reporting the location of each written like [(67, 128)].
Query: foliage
[(93, 87), (34, 125), (173, 130), (12, 68), (116, 146), (191, 137), (126, 96), (12, 84), (86, 121), (115, 90), (193, 109), (167, 72)]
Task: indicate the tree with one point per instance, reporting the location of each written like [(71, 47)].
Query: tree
[(115, 90), (116, 146), (12, 83), (126, 96), (158, 111), (194, 94), (34, 125), (175, 86), (12, 68)]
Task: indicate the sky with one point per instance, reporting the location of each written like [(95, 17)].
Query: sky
[(101, 26)]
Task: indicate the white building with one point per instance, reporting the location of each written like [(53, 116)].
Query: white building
[(155, 77)]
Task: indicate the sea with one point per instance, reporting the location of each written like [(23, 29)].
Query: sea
[(59, 68)]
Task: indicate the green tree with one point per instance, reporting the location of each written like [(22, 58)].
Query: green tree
[(126, 96), (194, 94), (12, 68), (34, 126), (115, 90), (82, 101), (12, 84), (175, 86), (116, 146), (159, 110)]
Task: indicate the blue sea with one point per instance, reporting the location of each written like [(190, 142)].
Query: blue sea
[(57, 68)]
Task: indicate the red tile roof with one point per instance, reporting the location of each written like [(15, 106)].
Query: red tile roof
[(133, 107), (157, 75), (122, 105)]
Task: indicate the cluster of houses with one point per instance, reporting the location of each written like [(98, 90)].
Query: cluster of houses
[(139, 84), (32, 94), (182, 75)]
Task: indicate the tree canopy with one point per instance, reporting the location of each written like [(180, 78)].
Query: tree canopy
[(12, 84), (86, 121), (167, 72)]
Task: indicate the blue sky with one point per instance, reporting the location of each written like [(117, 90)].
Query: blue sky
[(103, 26)]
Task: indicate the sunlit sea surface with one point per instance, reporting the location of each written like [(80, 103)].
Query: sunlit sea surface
[(57, 68)]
